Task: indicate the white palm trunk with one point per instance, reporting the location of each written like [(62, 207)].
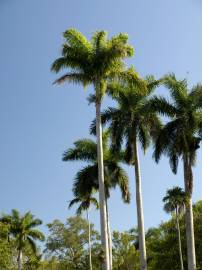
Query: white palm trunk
[(140, 216), (89, 241), (102, 200), (109, 238), (179, 240), (191, 255), (20, 260)]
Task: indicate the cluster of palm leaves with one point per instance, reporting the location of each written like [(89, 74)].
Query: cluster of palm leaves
[(134, 121)]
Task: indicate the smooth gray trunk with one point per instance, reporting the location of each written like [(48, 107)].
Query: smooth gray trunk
[(179, 240), (109, 238), (189, 215), (102, 200), (140, 217), (89, 242), (19, 260)]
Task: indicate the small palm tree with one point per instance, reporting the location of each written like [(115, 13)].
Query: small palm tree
[(179, 138), (22, 228), (86, 180), (94, 62), (84, 205), (174, 202), (131, 122)]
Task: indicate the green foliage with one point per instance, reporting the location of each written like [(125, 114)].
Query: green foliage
[(84, 203), (175, 200), (66, 247), (179, 137), (161, 243), (19, 234), (67, 243), (86, 180), (22, 229), (125, 255), (92, 61), (6, 249), (132, 119)]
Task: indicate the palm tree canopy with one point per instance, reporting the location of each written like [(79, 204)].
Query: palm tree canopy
[(92, 61), (131, 119), (180, 135), (22, 228), (86, 179), (175, 200), (84, 203)]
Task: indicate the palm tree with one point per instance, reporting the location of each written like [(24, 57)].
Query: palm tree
[(94, 62), (85, 203), (22, 228), (86, 180), (175, 201), (131, 122), (179, 138)]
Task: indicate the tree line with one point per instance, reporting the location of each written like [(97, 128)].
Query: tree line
[(66, 245)]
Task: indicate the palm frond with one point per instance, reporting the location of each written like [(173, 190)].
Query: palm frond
[(76, 39), (85, 150), (74, 77), (36, 235), (162, 106), (86, 180)]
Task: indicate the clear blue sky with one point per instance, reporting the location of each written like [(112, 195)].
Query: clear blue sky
[(39, 121)]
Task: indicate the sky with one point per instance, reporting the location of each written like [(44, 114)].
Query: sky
[(40, 121)]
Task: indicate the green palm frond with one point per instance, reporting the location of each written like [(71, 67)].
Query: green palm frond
[(76, 39), (178, 88), (99, 40), (143, 136), (74, 77), (36, 235), (85, 150), (32, 244), (162, 106), (73, 202), (84, 203), (86, 180)]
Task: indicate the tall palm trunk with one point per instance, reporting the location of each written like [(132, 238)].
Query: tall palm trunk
[(109, 238), (179, 240), (89, 241), (102, 201), (140, 217), (189, 215), (20, 259)]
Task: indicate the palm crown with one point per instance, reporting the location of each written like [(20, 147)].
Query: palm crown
[(175, 200), (84, 203), (86, 180), (131, 120), (22, 228), (92, 61), (179, 136)]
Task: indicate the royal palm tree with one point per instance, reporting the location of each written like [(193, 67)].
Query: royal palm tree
[(174, 202), (94, 62), (131, 122), (86, 180), (84, 205), (22, 229), (179, 138)]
